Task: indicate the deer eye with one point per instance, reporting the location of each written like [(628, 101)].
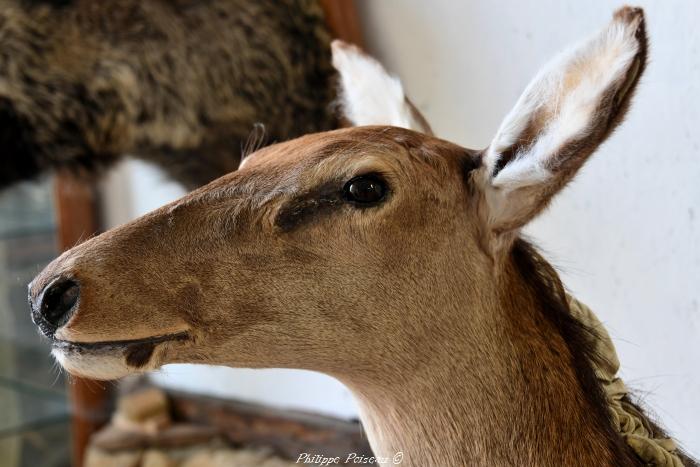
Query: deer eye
[(365, 189)]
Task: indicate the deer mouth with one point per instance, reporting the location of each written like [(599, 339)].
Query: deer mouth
[(131, 355), (118, 345)]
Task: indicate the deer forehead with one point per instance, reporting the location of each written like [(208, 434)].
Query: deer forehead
[(338, 155)]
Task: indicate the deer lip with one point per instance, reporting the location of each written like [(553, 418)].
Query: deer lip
[(119, 345)]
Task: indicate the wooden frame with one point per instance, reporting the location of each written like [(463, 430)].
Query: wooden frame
[(76, 212), (342, 20)]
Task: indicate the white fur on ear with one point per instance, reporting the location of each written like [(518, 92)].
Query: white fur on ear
[(560, 104), (565, 113), (368, 95)]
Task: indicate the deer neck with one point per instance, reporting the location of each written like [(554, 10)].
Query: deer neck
[(495, 386)]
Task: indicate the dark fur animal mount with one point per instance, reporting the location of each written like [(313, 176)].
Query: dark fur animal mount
[(180, 83)]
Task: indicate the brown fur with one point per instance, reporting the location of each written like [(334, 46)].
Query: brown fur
[(179, 83)]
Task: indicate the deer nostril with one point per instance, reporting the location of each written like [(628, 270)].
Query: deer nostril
[(57, 301)]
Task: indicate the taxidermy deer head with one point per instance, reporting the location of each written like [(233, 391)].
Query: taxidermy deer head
[(385, 257)]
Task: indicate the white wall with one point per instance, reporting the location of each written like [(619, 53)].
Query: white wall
[(625, 235)]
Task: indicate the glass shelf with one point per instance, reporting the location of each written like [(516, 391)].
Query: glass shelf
[(29, 407), (34, 412)]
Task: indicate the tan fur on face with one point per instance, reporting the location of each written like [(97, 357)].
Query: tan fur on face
[(238, 212)]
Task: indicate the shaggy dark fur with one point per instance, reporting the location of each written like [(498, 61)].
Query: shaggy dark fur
[(181, 83)]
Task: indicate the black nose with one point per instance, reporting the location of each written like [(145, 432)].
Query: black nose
[(54, 306)]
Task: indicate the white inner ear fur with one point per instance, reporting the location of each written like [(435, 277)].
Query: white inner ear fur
[(563, 98), (369, 95)]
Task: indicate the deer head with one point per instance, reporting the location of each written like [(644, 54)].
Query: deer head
[(380, 255)]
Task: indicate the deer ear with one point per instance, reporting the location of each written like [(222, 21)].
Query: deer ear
[(564, 114), (368, 95)]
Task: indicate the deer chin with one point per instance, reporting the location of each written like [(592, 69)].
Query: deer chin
[(114, 359)]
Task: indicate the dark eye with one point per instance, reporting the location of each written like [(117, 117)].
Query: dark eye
[(365, 189)]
